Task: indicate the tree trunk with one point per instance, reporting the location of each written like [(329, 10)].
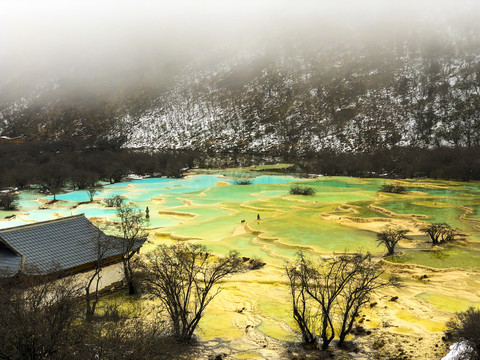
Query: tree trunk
[(327, 323), (131, 288), (307, 336), (128, 276)]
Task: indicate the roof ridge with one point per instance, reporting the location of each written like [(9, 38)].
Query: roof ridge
[(42, 223)]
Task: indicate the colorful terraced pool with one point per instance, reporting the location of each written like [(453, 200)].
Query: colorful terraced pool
[(210, 208), (344, 214)]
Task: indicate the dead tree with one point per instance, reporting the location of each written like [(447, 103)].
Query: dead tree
[(359, 290), (101, 245), (115, 201), (334, 288), (442, 233), (132, 236), (183, 276), (325, 283), (38, 313), (390, 236), (305, 313), (92, 190)]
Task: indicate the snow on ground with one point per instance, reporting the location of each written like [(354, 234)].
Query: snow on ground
[(458, 349)]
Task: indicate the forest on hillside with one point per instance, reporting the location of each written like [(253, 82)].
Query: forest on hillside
[(419, 89)]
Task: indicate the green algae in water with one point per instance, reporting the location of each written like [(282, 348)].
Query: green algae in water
[(361, 210), (278, 253), (430, 325), (277, 319), (289, 223), (452, 257), (293, 221), (241, 243), (442, 213), (445, 303), (476, 212), (308, 229), (124, 302), (274, 328)]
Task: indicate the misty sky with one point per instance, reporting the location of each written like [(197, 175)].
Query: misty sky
[(58, 36)]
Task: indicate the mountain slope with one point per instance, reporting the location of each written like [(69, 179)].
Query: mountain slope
[(341, 95)]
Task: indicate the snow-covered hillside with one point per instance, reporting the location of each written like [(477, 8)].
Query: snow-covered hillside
[(346, 98)]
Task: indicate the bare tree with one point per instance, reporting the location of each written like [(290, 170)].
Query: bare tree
[(92, 190), (132, 236), (390, 236), (336, 287), (441, 233), (115, 201), (357, 293), (183, 276), (101, 244), (53, 178), (451, 235), (434, 231), (38, 314), (325, 284), (305, 312)]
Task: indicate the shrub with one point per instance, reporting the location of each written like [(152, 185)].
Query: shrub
[(8, 201), (242, 182), (255, 264), (390, 236), (442, 233), (393, 188), (114, 201), (301, 190), (466, 327)]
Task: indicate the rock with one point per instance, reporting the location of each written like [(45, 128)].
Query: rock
[(394, 298), (358, 330), (116, 285), (373, 304), (378, 344)]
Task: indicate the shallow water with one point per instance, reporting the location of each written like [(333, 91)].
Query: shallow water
[(449, 257), (209, 209)]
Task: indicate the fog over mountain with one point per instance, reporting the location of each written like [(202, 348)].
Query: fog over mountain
[(93, 37), (150, 69)]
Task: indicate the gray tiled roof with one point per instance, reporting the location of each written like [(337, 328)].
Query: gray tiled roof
[(57, 244), (9, 261)]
